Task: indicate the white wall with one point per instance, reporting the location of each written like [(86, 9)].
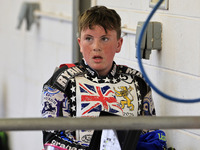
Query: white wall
[(175, 69), (28, 59)]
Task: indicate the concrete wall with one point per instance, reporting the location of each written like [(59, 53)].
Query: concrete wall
[(28, 59)]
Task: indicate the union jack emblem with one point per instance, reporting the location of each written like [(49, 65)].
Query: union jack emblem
[(96, 98)]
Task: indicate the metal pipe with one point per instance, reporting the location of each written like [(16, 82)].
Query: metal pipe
[(75, 47), (52, 15), (100, 123), (128, 30)]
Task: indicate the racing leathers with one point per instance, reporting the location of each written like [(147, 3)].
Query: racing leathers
[(76, 90)]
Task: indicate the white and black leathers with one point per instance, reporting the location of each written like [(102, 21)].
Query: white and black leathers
[(76, 90)]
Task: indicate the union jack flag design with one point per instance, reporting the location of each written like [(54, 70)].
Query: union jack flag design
[(96, 98)]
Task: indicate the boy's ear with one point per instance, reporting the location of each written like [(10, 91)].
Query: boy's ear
[(79, 43), (79, 40), (120, 41)]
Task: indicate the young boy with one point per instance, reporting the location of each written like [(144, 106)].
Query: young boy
[(96, 83)]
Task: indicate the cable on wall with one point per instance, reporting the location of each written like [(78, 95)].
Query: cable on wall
[(142, 68)]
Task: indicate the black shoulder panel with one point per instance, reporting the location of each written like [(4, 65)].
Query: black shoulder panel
[(137, 75), (63, 75)]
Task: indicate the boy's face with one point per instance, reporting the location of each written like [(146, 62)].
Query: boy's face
[(99, 48)]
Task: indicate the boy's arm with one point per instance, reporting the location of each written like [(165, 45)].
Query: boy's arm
[(148, 105), (55, 104)]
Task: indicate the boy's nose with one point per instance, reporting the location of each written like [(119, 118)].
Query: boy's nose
[(96, 46)]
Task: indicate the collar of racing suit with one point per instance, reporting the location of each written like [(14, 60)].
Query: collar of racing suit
[(93, 73)]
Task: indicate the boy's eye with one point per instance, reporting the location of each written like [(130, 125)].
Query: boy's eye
[(88, 38), (105, 39)]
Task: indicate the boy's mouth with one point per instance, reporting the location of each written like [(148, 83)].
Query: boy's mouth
[(97, 58)]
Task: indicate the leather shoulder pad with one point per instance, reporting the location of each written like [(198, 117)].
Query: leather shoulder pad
[(64, 74), (137, 74), (130, 71)]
